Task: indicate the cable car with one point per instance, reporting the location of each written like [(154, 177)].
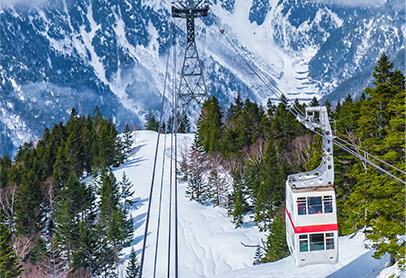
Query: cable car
[(311, 216)]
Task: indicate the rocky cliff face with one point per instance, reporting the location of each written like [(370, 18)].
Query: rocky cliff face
[(60, 54)]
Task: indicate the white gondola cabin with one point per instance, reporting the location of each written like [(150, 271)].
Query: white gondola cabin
[(311, 217)]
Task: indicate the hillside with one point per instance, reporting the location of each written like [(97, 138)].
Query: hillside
[(209, 244)]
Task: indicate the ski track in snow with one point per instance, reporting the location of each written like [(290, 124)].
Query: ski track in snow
[(209, 245)]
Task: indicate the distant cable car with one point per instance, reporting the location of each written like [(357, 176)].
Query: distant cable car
[(311, 216)]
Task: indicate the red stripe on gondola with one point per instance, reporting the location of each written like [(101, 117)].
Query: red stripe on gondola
[(312, 228)]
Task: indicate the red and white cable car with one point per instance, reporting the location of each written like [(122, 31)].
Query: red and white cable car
[(311, 217)]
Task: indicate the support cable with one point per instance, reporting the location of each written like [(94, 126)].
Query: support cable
[(160, 206), (162, 179), (176, 191), (354, 153), (383, 171), (172, 152), (170, 207), (299, 114), (172, 166), (366, 153), (262, 76), (153, 177)]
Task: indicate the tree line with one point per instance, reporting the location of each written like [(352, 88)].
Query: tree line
[(241, 159), (52, 221)]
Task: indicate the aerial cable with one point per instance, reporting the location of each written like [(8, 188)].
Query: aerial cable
[(366, 153), (160, 206), (364, 159), (246, 62), (170, 207), (246, 58), (175, 144), (172, 151), (153, 174), (176, 185), (368, 161), (352, 152), (386, 176), (299, 114), (262, 76), (176, 210)]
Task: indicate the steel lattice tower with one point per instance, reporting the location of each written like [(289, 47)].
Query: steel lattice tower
[(192, 85)]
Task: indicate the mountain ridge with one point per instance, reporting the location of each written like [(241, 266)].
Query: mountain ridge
[(63, 54)]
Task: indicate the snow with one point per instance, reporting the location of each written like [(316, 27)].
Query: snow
[(14, 126), (392, 271), (288, 68), (87, 38), (209, 244), (118, 86)]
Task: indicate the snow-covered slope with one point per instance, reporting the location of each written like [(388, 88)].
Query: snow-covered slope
[(208, 242), (209, 245)]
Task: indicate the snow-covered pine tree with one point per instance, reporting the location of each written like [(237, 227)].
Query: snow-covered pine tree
[(218, 188), (259, 254), (133, 265), (197, 187)]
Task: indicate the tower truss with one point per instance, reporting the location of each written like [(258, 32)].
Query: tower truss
[(192, 85)]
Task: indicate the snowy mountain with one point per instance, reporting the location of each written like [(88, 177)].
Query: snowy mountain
[(209, 244), (60, 54)]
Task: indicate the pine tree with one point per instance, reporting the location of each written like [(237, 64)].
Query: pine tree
[(39, 250), (74, 205), (259, 254), (377, 202), (86, 138), (237, 136), (29, 210), (133, 266), (113, 219), (87, 256), (197, 188), (151, 123), (60, 170), (209, 126), (9, 266), (183, 123), (314, 102), (267, 189), (218, 191), (276, 241), (5, 165), (239, 206), (126, 192), (127, 140)]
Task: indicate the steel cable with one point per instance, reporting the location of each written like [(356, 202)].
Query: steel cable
[(153, 174), (299, 114)]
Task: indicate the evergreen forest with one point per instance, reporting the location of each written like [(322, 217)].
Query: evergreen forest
[(260, 146), (54, 223)]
